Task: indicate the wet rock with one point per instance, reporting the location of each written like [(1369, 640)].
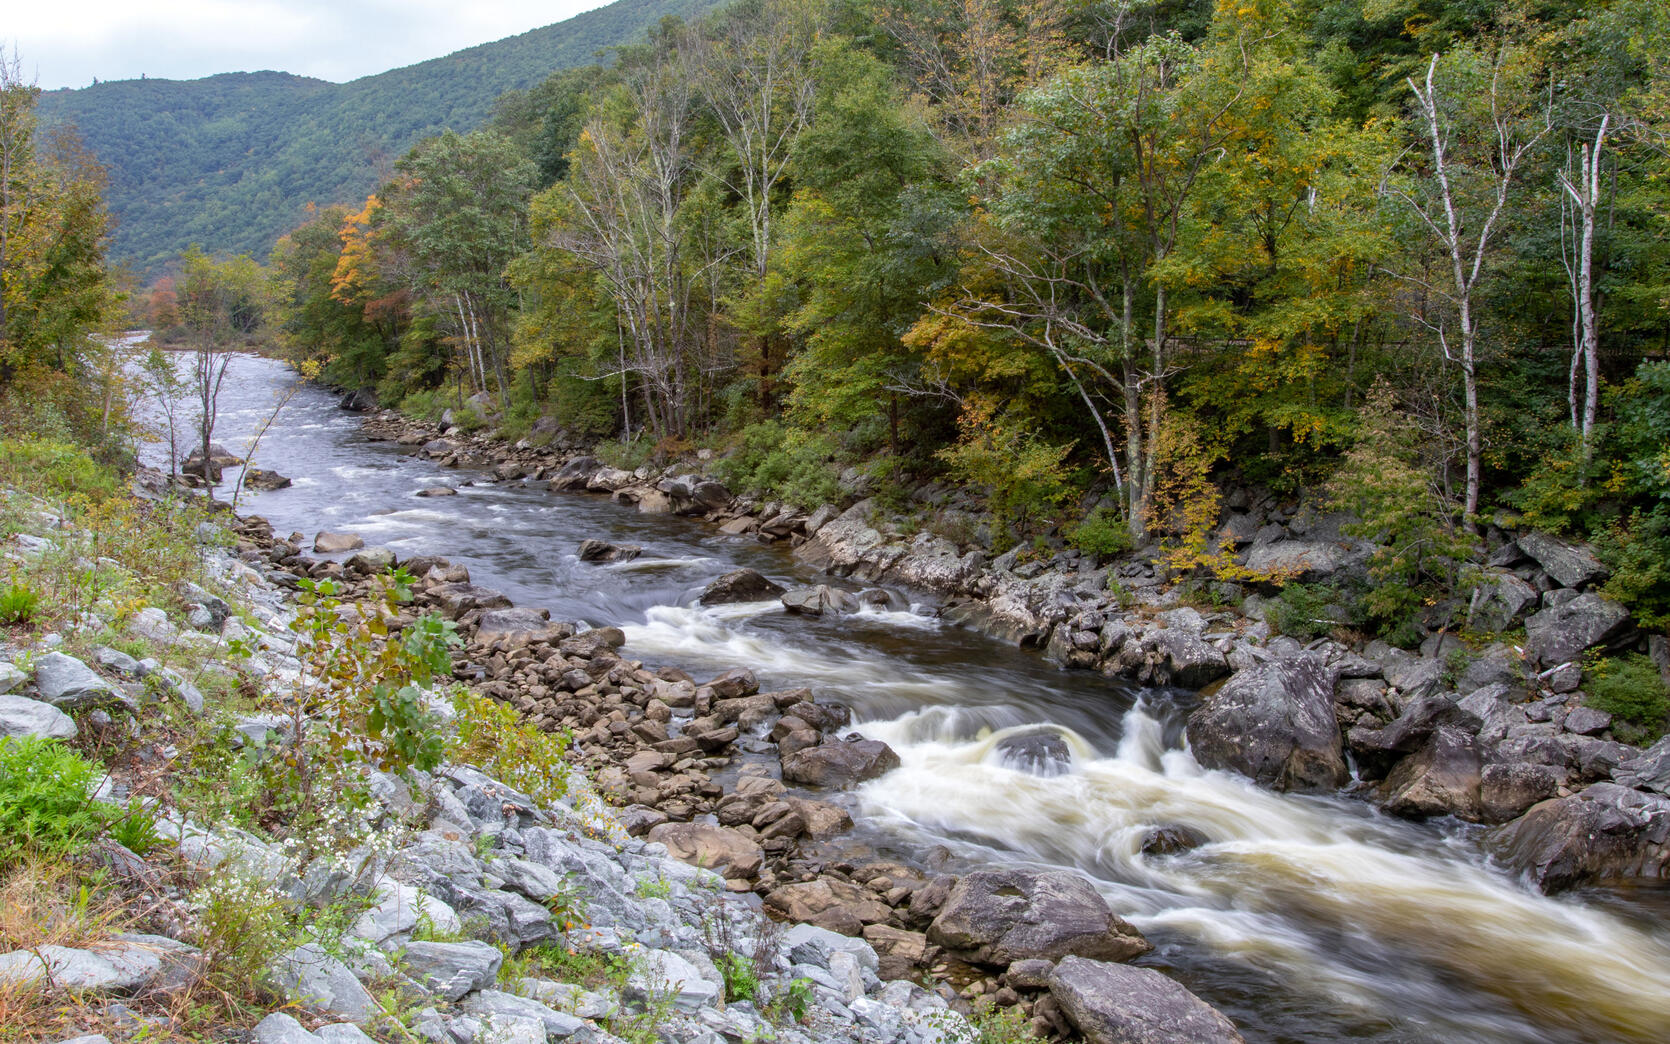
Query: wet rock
[(695, 495), (822, 820), (839, 906), (720, 849), (1041, 752), (1648, 770), (1570, 565), (264, 481), (1171, 840), (21, 717), (1275, 723), (1508, 789), (1001, 916), (1119, 1004), (734, 683), (840, 764), (1443, 778), (1188, 660), (1605, 833), (437, 491), (575, 474), (740, 585), (603, 551), (815, 601), (327, 543), (1561, 633)]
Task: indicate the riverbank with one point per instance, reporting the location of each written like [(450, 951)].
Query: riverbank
[(1489, 725), (242, 867)]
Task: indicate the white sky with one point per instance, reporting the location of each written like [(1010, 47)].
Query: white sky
[(66, 43)]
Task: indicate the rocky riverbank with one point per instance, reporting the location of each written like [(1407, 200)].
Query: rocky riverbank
[(1494, 731)]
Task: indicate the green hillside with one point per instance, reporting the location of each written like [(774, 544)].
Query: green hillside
[(231, 161)]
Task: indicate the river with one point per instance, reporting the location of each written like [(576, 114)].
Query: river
[(1302, 918)]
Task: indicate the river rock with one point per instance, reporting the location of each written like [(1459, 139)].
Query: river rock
[(370, 560), (575, 474), (333, 543), (1040, 752), (523, 625), (451, 970), (1119, 1004), (437, 491), (1605, 833), (72, 686), (695, 494), (1508, 789), (603, 551), (264, 481), (740, 585), (457, 599), (1187, 660), (20, 716), (1013, 914), (1569, 564), (311, 976), (1443, 778), (1560, 633), (839, 906), (815, 601), (840, 764), (1649, 770), (720, 849), (1274, 722)]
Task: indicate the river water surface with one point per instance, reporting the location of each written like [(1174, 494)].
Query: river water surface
[(1302, 918)]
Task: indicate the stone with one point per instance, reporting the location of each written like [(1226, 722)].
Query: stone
[(1188, 660), (344, 1033), (126, 964), (309, 975), (20, 716), (1443, 778), (1648, 770), (451, 970), (1604, 833), (370, 560), (1119, 1004), (1586, 721), (1303, 560), (823, 820), (11, 677), (72, 686), (1001, 916), (575, 474), (1560, 634), (740, 585), (1275, 723), (522, 626), (1570, 565), (437, 491), (1498, 602), (839, 764), (721, 849), (1040, 751), (663, 972), (489, 1003), (1507, 789), (839, 906), (603, 551), (264, 481), (695, 495), (334, 543), (279, 1028)]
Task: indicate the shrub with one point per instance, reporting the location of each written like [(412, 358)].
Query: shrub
[(493, 736), (742, 980), (772, 459), (50, 468), (1638, 552), (1302, 611), (1102, 534), (626, 454), (18, 604), (1631, 689)]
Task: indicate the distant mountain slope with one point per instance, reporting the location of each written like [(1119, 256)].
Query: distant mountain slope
[(231, 161)]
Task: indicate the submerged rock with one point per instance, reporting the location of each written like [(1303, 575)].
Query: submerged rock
[(740, 585), (1042, 752)]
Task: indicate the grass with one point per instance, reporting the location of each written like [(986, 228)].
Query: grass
[(1631, 689)]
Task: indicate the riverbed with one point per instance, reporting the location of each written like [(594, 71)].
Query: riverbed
[(1302, 918)]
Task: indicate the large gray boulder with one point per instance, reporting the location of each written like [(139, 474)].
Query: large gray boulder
[(1560, 633), (1649, 770), (311, 976), (1499, 601), (1443, 778), (1119, 1004), (72, 686), (327, 543), (1570, 565), (740, 585), (839, 764), (20, 716), (576, 474), (1605, 833), (1274, 722), (1187, 659), (522, 626), (695, 494), (1302, 560), (1001, 916), (451, 970)]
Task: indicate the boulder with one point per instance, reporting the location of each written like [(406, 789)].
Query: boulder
[(815, 601), (1560, 633), (452, 969), (1605, 833), (727, 852), (1041, 751), (576, 473), (603, 551), (438, 491), (1013, 914), (72, 686), (1274, 722), (840, 906), (264, 481), (1303, 560), (1508, 789), (1442, 778), (1187, 659), (1499, 601), (1119, 1004), (695, 495), (310, 976), (522, 626), (1648, 770), (740, 585), (1570, 565), (370, 560), (20, 716), (334, 543), (839, 764)]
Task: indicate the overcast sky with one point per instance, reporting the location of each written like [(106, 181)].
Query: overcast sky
[(66, 43)]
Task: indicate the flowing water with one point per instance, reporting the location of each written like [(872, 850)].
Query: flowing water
[(1302, 918)]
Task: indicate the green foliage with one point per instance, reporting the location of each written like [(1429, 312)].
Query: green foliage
[(1303, 611), (1028, 477), (1101, 534), (742, 980), (626, 454), (54, 469), (1632, 690), (46, 803), (1638, 551), (795, 1000), (18, 603), (775, 460)]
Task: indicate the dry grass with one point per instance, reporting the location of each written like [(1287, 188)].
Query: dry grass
[(45, 904)]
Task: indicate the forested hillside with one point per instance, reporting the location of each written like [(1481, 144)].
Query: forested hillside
[(230, 161)]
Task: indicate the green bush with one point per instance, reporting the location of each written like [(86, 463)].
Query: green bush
[(626, 454), (46, 802), (1638, 552), (1102, 534), (742, 980), (51, 468), (18, 604), (1303, 611), (1631, 689), (775, 460)]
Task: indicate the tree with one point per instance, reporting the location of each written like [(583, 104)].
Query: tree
[(221, 308), (1479, 121)]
